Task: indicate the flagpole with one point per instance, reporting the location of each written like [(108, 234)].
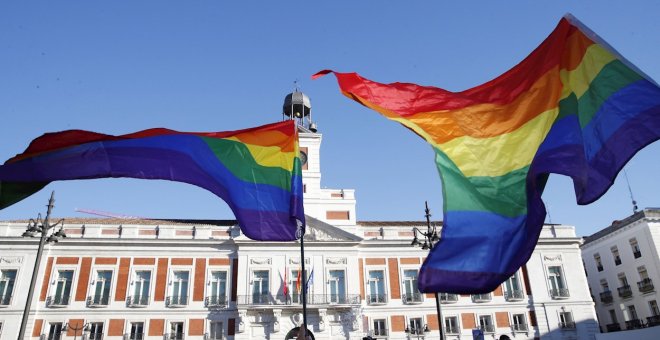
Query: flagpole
[(304, 279)]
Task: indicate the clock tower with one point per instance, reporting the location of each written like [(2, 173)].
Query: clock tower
[(333, 206)]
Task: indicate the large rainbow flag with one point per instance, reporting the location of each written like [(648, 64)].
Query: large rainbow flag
[(572, 107), (256, 171)]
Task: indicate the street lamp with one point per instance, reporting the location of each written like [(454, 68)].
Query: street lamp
[(75, 328), (39, 228), (431, 238), (417, 331)]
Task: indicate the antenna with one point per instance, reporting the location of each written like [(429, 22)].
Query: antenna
[(109, 214), (634, 203), (547, 209)]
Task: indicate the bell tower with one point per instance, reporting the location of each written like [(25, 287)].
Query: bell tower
[(334, 206)]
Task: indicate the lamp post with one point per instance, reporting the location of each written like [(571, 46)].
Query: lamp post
[(417, 331), (34, 228), (76, 328), (431, 238)]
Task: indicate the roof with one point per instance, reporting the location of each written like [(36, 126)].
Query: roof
[(143, 221), (618, 224), (395, 223)]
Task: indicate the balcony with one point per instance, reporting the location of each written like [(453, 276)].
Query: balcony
[(613, 327), (448, 298), (5, 300), (514, 295), (98, 301), (174, 336), (606, 297), (135, 336), (519, 327), (653, 321), (567, 325), (599, 267), (312, 300), (379, 332), (625, 291), (215, 301), (487, 328), (412, 299), (57, 301), (637, 254), (137, 301), (634, 324), (617, 261), (480, 298), (95, 336), (559, 294), (645, 285), (452, 330), (176, 301), (376, 299)]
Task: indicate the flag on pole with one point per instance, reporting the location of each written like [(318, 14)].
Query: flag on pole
[(256, 171), (574, 107), (298, 285), (285, 290), (310, 280)]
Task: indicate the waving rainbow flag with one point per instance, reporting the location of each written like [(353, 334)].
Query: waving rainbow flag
[(572, 107), (256, 171)]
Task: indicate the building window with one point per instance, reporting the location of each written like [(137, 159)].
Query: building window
[(376, 287), (137, 331), (141, 287), (96, 331), (599, 263), (416, 326), (486, 324), (632, 312), (337, 286), (411, 293), (179, 295), (218, 289), (519, 323), (653, 306), (55, 331), (635, 248), (260, 286), (613, 316), (176, 331), (558, 288), (615, 255), (380, 327), (7, 281), (566, 320), (215, 330), (62, 288), (512, 289), (645, 285), (102, 286), (296, 285), (451, 325)]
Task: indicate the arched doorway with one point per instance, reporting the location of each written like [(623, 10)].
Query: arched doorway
[(293, 334)]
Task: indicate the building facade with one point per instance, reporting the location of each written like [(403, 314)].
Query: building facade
[(623, 268), (174, 279)]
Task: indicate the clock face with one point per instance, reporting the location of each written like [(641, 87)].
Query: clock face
[(303, 157)]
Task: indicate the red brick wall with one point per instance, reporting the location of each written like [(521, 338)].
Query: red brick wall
[(409, 260), (77, 324), (502, 319), (231, 326), (144, 261), (528, 287), (161, 280), (116, 327), (156, 327), (196, 327), (105, 260), (219, 262), (122, 278), (200, 280), (374, 261), (361, 274), (44, 285), (38, 324), (395, 288), (398, 323), (182, 262), (432, 321), (67, 260), (234, 279), (337, 215), (468, 320), (83, 278)]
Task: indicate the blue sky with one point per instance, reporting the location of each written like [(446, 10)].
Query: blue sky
[(122, 66)]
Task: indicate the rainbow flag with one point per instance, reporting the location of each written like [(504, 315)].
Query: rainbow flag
[(572, 107), (256, 171)]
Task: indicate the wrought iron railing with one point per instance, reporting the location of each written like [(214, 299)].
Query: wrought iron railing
[(514, 295), (617, 261), (215, 301), (98, 300), (600, 268), (448, 298), (137, 301), (613, 327), (634, 324), (625, 291), (380, 332), (174, 336), (452, 330), (567, 325), (645, 285), (413, 298), (488, 328), (606, 297), (176, 301), (5, 300), (519, 327), (637, 254), (94, 336), (376, 299), (312, 299), (53, 336), (135, 336), (481, 297), (57, 301), (653, 320), (561, 293)]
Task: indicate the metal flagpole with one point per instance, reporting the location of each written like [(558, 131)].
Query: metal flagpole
[(304, 279)]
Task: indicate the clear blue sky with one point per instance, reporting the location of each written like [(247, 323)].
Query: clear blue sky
[(122, 66)]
